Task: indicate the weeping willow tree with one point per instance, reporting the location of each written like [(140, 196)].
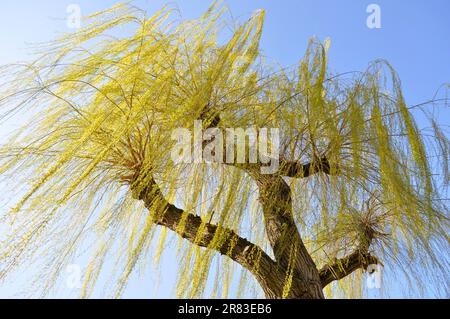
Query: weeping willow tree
[(92, 169)]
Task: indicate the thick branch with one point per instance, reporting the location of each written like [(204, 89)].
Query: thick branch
[(208, 235), (343, 267), (204, 234)]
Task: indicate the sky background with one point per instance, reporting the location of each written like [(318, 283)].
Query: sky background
[(414, 38)]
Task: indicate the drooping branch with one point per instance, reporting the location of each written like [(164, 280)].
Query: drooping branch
[(343, 267)]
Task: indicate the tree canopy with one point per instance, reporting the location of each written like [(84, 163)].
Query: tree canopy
[(92, 170)]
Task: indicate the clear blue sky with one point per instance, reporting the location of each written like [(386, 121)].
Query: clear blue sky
[(414, 38)]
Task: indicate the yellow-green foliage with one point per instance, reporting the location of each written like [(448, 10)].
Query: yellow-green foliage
[(101, 109)]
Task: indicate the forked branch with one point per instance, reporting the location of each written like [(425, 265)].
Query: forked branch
[(205, 234)]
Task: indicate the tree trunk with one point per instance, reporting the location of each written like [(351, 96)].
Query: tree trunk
[(298, 276), (274, 283)]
